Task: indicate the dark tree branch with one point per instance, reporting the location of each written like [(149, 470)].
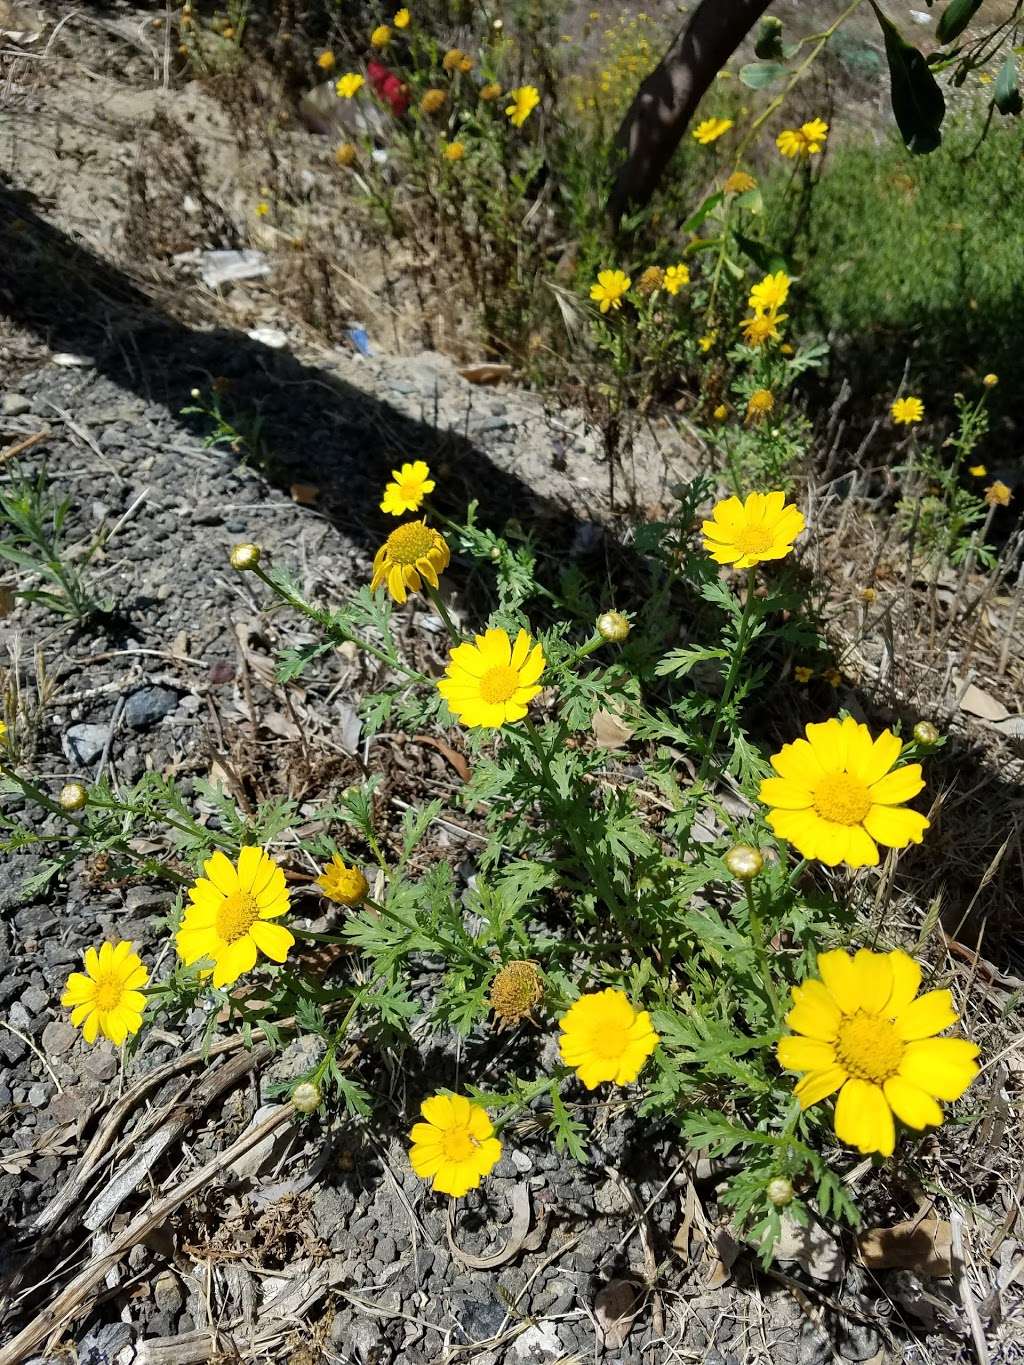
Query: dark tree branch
[(665, 103)]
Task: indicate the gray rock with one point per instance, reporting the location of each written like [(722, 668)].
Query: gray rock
[(15, 405), (148, 706), (521, 1162), (102, 1344), (39, 1095), (84, 743), (58, 1038), (18, 1017), (479, 1319), (364, 1342), (333, 1205), (35, 1000), (101, 1063), (538, 1344), (167, 1293)]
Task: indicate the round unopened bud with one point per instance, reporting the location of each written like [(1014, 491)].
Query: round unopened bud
[(193, 393), (306, 1097), (245, 557), (744, 862), (926, 733), (495, 553), (73, 796), (613, 627), (990, 381), (780, 1192)]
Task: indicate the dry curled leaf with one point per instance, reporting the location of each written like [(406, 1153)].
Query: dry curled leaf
[(977, 702), (486, 373), (615, 1310), (610, 730), (923, 1245), (518, 1231)]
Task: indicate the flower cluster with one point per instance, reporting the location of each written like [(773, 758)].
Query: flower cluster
[(807, 140), (766, 301)]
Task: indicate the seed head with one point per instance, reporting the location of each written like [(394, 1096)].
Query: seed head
[(73, 796), (780, 1192), (433, 100), (306, 1098), (744, 862), (613, 627), (245, 557), (515, 991), (926, 733)]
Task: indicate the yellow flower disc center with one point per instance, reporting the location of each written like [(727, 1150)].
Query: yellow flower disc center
[(409, 544), (843, 798), (498, 684), (457, 1144), (754, 540), (235, 915), (608, 1041), (108, 991), (869, 1047)]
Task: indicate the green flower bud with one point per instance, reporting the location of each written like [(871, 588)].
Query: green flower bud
[(613, 627), (926, 733), (73, 796), (744, 862), (780, 1192), (245, 557), (306, 1098)]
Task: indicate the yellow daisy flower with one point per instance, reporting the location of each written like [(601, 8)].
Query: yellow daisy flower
[(452, 59), (410, 553), (721, 412), (707, 340), (907, 412), (228, 921), (455, 1147), (610, 287), (525, 99), (454, 151), (759, 405), (3, 729), (325, 61), (739, 182), (412, 483), (489, 683), (711, 129), (342, 884), (977, 470), (790, 142), (998, 494), (107, 998), (990, 381), (381, 36), (746, 533), (802, 673), (262, 209), (838, 794), (675, 277), (860, 1030), (402, 19), (433, 100), (770, 293), (605, 1039), (348, 85), (814, 134), (760, 328)]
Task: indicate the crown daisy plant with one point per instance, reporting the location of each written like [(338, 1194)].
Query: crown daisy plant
[(491, 682), (107, 1000), (605, 1038), (413, 553), (410, 485), (455, 1146)]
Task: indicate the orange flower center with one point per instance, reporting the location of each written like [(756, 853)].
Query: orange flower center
[(108, 991), (458, 1145), (869, 1047), (754, 540), (410, 543), (236, 915), (498, 684), (843, 798)]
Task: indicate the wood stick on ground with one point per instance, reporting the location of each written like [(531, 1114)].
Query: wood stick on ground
[(51, 1321)]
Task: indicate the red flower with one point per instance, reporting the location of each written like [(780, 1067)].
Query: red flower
[(389, 88)]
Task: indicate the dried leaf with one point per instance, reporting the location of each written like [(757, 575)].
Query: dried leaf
[(485, 373), (518, 1230), (179, 646), (279, 724), (978, 703), (922, 1245), (305, 494), (615, 1310), (610, 731), (813, 1246)]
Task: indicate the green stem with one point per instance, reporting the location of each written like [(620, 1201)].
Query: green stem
[(761, 951), (731, 677), (442, 611), (586, 650)]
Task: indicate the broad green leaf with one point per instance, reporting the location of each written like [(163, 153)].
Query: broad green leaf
[(918, 104), (955, 18), (761, 75), (701, 212), (1005, 96)]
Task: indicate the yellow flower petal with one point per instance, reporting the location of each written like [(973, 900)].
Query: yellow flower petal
[(911, 1105), (836, 970), (927, 1015), (873, 977), (818, 1085), (906, 981), (864, 1119), (784, 793), (805, 1054), (273, 939), (895, 826), (943, 1067), (900, 785), (233, 961)]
